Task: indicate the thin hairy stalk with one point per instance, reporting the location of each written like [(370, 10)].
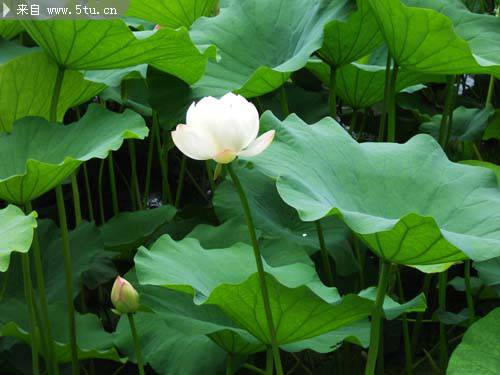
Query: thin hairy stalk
[(180, 183), (443, 342), (391, 111), (332, 96), (260, 269), (377, 316), (383, 115), (68, 278), (468, 292), (285, 110), (137, 343), (325, 258), (448, 108), (28, 294), (406, 331), (420, 316), (42, 295), (112, 184)]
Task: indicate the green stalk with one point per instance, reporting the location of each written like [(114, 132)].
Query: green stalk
[(134, 180), (361, 261), (325, 258), (443, 129), (88, 192), (254, 369), (383, 115), (468, 292), (149, 163), (166, 193), (112, 183), (406, 331), (180, 183), (353, 124), (443, 342), (229, 364), (418, 321), (99, 191), (76, 198), (491, 85), (260, 269), (40, 280), (377, 316), (68, 277), (391, 113), (28, 293), (285, 110), (137, 343), (210, 174), (332, 97), (269, 361)]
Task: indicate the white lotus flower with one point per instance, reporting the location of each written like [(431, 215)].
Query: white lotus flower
[(221, 129)]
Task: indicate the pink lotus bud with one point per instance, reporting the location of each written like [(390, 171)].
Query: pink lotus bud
[(124, 297)]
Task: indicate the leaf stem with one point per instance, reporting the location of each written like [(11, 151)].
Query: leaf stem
[(269, 361), (229, 364), (383, 115), (443, 129), (391, 113), (88, 192), (99, 191), (332, 97), (112, 183), (149, 163), (260, 269), (137, 343), (468, 292), (406, 331), (134, 180), (285, 110), (325, 258), (28, 293), (443, 344), (40, 281), (377, 315), (418, 321), (252, 368), (361, 261), (76, 198), (166, 193), (491, 85), (68, 278)]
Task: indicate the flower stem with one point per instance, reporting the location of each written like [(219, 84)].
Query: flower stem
[(112, 183), (332, 97), (468, 292), (28, 293), (391, 112), (377, 315), (180, 183), (383, 115), (210, 174), (285, 110), (40, 280), (406, 331), (68, 278), (137, 343), (443, 344), (76, 198), (260, 269), (325, 258)]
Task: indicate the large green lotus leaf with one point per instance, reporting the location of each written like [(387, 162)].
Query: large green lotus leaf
[(16, 233), (39, 155), (92, 340), (129, 230), (480, 31), (226, 278), (171, 13), (493, 167), (350, 40), (489, 273), (424, 40), (468, 124), (260, 43), (278, 221), (479, 351), (407, 202), (27, 87), (493, 129), (361, 85), (109, 44), (10, 28)]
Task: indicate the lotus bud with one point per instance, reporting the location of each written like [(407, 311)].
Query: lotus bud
[(221, 130), (124, 297)]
